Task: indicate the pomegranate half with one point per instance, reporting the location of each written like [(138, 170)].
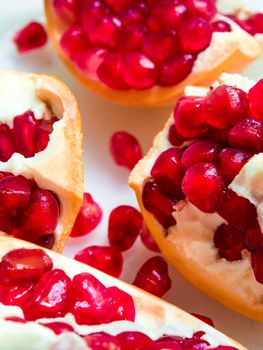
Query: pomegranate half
[(41, 166), (40, 291), (142, 52), (200, 191)]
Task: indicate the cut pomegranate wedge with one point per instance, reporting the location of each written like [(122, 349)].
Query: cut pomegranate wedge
[(74, 306), (41, 166), (211, 229), (142, 52)]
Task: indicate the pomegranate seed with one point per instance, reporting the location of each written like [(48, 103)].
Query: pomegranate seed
[(153, 276), (247, 135), (15, 319), (89, 61), (74, 41), (176, 69), (67, 10), (7, 143), (167, 171), (169, 345), (17, 295), (125, 224), (221, 26), (200, 152), (118, 5), (30, 37), (106, 259), (125, 149), (135, 340), (25, 133), (135, 13), (219, 136), (177, 342), (14, 192), (122, 305), (255, 95), (229, 242), (46, 241), (158, 204), (203, 8), (200, 29), (88, 218), (189, 116), (133, 37), (24, 265), (59, 327), (148, 240), (253, 237), (93, 9), (226, 106), (140, 72), (102, 341), (205, 319), (196, 342), (44, 129), (257, 264), (256, 20), (244, 24), (174, 137)]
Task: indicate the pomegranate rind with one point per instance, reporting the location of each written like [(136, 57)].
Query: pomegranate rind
[(233, 284), (150, 310)]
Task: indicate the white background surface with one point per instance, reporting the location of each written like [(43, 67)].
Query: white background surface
[(103, 179)]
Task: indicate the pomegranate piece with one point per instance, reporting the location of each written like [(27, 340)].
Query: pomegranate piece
[(125, 149), (148, 240), (17, 295), (257, 264), (88, 218), (221, 26), (7, 143), (226, 106), (102, 341), (59, 327), (24, 265), (14, 193), (253, 237), (30, 37), (248, 135), (203, 8), (67, 10), (203, 186), (255, 95), (122, 305), (174, 137), (205, 319), (158, 204), (125, 225), (200, 29), (25, 133), (106, 259), (74, 41), (135, 340), (153, 276)]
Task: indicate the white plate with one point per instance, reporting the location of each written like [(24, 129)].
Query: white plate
[(108, 182)]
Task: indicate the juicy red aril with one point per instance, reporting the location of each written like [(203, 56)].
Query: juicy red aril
[(125, 224), (158, 204), (198, 28), (221, 26), (225, 106), (253, 237), (122, 305), (44, 129), (102, 341), (24, 265), (174, 137), (118, 5), (106, 259), (205, 319), (125, 149), (74, 41), (30, 37), (92, 9), (135, 13), (169, 345), (257, 264), (59, 327), (248, 135), (133, 37), (7, 143), (203, 186), (46, 241), (255, 95), (195, 342), (17, 295), (25, 133), (67, 10), (148, 240), (14, 192), (89, 61), (153, 276), (135, 340), (229, 242), (256, 21), (204, 8), (88, 218), (200, 152)]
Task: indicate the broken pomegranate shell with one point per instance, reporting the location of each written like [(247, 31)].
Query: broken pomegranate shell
[(142, 53), (41, 166), (108, 313), (213, 234)]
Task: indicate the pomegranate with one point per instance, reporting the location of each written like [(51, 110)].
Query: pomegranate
[(30, 37), (148, 52), (213, 156)]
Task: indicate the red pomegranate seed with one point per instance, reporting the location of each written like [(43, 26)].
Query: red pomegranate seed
[(175, 341), (189, 114), (44, 129), (24, 265), (257, 264), (67, 10), (102, 341), (153, 276), (14, 192), (203, 8), (15, 319), (125, 224), (200, 29), (7, 143), (50, 296), (88, 218), (226, 106), (106, 259), (246, 25), (255, 95), (248, 135), (159, 205), (195, 342), (122, 305), (174, 137), (231, 161), (229, 242), (168, 172), (203, 186), (176, 69), (135, 13), (135, 340), (221, 26), (219, 136), (92, 9), (118, 5), (74, 41), (200, 152), (133, 37), (30, 37), (253, 237), (89, 61), (90, 303), (205, 319), (140, 72), (125, 149), (59, 327), (168, 345), (17, 295), (256, 20), (25, 133), (148, 240), (46, 241)]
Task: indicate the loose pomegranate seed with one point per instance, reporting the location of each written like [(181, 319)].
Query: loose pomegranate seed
[(226, 106), (248, 135), (24, 265), (59, 327), (174, 137), (205, 319), (67, 10), (14, 192), (158, 204), (30, 37), (125, 149), (200, 29), (135, 13), (135, 340), (203, 186), (229, 242), (148, 240), (255, 95), (7, 143), (253, 237), (221, 26), (200, 152), (153, 276), (133, 37), (88, 218), (25, 133), (257, 264), (106, 259), (17, 295), (88, 61), (102, 341), (203, 8), (74, 41), (125, 224), (122, 305), (167, 171)]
